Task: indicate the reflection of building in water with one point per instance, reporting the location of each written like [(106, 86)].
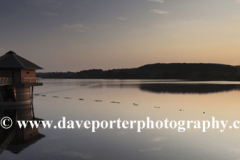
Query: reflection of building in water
[(16, 139), (17, 79), (23, 139)]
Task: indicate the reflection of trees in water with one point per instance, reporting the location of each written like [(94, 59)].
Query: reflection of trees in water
[(189, 88), (121, 85), (174, 87)]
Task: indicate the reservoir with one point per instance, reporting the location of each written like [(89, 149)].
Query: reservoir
[(107, 100)]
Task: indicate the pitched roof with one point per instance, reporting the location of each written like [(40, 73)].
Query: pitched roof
[(12, 60)]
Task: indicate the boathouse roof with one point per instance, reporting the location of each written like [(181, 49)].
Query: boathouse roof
[(12, 60)]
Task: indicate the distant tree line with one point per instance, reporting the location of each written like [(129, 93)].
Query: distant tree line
[(187, 71)]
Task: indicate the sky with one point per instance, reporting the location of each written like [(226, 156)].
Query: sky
[(75, 35)]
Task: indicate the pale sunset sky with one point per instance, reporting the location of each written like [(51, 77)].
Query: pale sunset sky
[(74, 35)]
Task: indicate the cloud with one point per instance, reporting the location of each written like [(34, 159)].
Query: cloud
[(158, 139), (159, 11), (51, 14), (159, 1), (55, 3), (75, 27), (150, 149), (235, 150), (121, 18), (78, 155), (55, 137)]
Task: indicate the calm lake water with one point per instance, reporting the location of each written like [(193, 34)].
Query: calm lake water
[(137, 99)]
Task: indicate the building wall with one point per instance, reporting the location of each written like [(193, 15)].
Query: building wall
[(15, 74), (18, 99), (28, 73), (18, 75), (23, 100)]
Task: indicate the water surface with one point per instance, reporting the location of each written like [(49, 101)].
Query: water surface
[(137, 99)]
